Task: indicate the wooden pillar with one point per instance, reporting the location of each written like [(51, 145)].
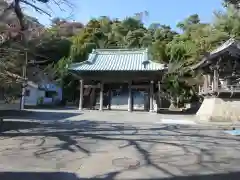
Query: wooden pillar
[(132, 102), (215, 79), (101, 97), (212, 82), (205, 84), (199, 89), (151, 97), (159, 94), (209, 81), (130, 106), (109, 98), (81, 94)]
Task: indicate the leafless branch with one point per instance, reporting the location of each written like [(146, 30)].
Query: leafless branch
[(8, 72), (36, 8)]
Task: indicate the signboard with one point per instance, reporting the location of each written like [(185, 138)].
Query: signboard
[(48, 87)]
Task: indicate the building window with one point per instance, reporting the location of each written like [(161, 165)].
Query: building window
[(50, 94), (27, 93)]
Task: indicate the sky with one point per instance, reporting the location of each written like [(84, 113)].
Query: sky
[(168, 12)]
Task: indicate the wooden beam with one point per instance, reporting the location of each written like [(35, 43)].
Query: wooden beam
[(140, 86), (92, 86)]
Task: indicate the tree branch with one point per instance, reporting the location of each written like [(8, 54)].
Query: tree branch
[(36, 8)]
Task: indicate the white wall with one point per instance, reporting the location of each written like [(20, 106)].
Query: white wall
[(31, 100), (35, 94)]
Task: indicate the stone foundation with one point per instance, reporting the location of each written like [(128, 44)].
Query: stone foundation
[(219, 110)]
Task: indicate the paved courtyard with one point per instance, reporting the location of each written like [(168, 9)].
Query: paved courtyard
[(73, 145)]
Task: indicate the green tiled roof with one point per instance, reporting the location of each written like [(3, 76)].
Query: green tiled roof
[(117, 60)]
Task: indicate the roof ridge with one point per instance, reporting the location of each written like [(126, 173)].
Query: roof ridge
[(120, 50), (129, 49), (225, 45)]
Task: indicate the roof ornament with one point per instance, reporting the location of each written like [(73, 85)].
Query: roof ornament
[(146, 57)]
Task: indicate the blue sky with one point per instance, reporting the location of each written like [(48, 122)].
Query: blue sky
[(167, 12)]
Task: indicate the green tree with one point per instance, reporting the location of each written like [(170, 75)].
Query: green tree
[(235, 3), (188, 22), (161, 36), (228, 21)]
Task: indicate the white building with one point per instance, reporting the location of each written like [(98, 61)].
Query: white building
[(42, 94)]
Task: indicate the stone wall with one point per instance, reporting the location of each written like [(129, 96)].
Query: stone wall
[(219, 110)]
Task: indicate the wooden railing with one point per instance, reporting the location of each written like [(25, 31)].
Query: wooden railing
[(203, 90), (210, 89)]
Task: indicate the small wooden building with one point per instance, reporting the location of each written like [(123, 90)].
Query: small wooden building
[(221, 87), (108, 70)]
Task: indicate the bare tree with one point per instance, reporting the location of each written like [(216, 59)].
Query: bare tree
[(15, 29)]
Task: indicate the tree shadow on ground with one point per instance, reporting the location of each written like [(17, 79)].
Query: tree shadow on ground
[(38, 176), (230, 175), (109, 176), (36, 115), (199, 145), (18, 125), (51, 107), (16, 119), (190, 111)]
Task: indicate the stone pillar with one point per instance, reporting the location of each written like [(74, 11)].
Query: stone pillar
[(130, 106), (151, 109), (81, 89), (109, 99), (101, 97)]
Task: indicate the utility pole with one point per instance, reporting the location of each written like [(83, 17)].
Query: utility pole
[(24, 84), (24, 73)]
